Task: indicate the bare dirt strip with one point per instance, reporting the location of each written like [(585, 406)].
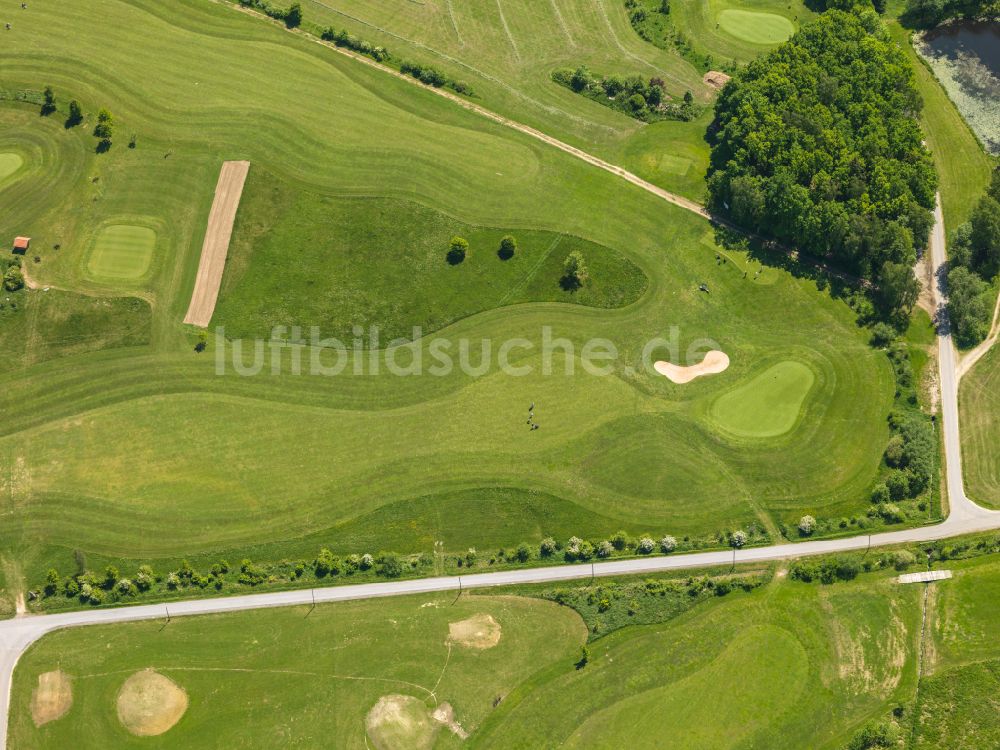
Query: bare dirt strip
[(216, 245)]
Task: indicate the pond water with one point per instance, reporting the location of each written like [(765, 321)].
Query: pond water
[(965, 57)]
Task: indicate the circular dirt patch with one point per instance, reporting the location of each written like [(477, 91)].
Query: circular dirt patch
[(52, 698), (479, 631), (149, 703), (401, 722), (10, 162), (754, 27)]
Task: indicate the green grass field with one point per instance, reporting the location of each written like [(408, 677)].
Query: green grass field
[(10, 162), (507, 51), (979, 407), (248, 689), (767, 406), (122, 252), (754, 27), (737, 31), (342, 262), (789, 665), (355, 226)]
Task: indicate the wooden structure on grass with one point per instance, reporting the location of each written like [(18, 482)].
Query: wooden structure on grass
[(21, 244)]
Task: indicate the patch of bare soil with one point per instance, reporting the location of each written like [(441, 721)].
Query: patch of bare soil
[(401, 722), (52, 698), (716, 79), (444, 715), (479, 631), (150, 704)]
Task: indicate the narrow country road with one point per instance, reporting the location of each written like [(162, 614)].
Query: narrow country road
[(964, 517)]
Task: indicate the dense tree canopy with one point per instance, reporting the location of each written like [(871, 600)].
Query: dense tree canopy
[(817, 145), (927, 13), (974, 255)]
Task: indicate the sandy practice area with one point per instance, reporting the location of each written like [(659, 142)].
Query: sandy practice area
[(714, 362), (228, 191)]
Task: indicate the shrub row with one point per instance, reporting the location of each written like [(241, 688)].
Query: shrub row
[(614, 604), (634, 96)]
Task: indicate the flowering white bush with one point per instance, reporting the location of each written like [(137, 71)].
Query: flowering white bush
[(668, 544), (645, 545), (548, 546), (807, 525), (366, 561), (604, 549)]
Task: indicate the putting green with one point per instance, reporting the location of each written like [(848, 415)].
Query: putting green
[(756, 28), (122, 252), (768, 405), (10, 162)]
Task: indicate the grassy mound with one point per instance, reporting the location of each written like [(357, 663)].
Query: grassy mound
[(150, 703)]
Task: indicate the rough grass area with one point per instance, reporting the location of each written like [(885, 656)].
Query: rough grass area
[(336, 263), (979, 407)]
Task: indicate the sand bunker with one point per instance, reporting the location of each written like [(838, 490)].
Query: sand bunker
[(716, 79), (149, 703), (52, 698), (714, 362), (479, 631), (401, 722)]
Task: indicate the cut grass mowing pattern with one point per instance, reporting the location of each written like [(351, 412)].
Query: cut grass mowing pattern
[(10, 162), (767, 406), (756, 28), (122, 252)]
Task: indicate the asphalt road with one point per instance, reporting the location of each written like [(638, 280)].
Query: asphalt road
[(964, 517)]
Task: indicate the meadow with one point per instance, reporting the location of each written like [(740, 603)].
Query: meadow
[(507, 52), (786, 665), (979, 405), (171, 459)]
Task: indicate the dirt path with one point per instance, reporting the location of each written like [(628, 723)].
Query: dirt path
[(228, 190)]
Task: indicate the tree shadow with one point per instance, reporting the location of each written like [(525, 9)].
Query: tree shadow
[(505, 253), (103, 146), (570, 283), (455, 256), (772, 254)]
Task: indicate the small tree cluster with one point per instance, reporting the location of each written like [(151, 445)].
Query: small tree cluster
[(974, 252), (434, 77), (458, 250), (343, 38), (104, 130), (643, 99), (575, 272)]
